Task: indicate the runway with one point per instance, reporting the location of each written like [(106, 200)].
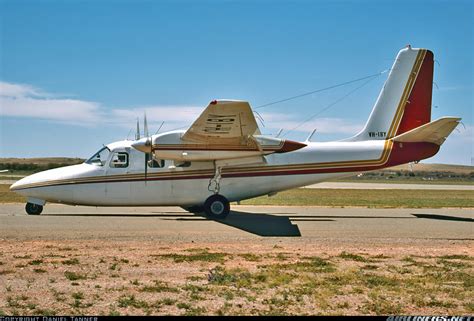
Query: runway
[(244, 223)]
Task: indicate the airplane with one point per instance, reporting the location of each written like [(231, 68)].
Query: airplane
[(223, 157)]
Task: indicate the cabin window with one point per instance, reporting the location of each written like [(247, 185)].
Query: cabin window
[(156, 163), (119, 160), (100, 157), (183, 164)]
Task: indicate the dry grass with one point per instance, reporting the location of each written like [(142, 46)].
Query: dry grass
[(6, 196), (264, 280)]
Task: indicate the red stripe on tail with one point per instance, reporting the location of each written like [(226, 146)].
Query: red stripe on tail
[(418, 108)]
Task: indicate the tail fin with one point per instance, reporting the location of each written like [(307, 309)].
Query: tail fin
[(405, 100)]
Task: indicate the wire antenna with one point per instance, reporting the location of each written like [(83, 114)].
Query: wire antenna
[(322, 89), (330, 105)]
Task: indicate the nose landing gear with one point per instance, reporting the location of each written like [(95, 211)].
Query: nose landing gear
[(33, 209)]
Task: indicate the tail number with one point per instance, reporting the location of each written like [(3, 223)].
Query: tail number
[(377, 134)]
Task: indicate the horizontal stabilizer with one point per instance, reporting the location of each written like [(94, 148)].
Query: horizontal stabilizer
[(435, 132)]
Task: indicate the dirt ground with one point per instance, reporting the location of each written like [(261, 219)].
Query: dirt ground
[(100, 277)]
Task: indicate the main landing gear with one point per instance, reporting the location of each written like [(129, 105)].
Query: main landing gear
[(217, 206), (33, 209)]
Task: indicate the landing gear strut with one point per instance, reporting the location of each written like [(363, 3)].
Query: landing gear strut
[(33, 209), (217, 206), (215, 182)]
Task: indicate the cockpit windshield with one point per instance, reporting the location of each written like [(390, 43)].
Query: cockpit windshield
[(100, 157)]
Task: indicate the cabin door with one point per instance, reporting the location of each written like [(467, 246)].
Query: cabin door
[(118, 185)]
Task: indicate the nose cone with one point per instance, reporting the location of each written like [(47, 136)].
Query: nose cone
[(143, 145), (17, 185), (26, 182)]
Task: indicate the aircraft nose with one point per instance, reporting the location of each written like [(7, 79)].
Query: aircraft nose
[(143, 145), (17, 185)]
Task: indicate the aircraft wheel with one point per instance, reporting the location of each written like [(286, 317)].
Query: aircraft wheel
[(194, 209), (217, 206), (33, 209)]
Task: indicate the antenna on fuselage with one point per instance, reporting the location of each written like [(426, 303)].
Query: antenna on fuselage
[(279, 133), (311, 135), (162, 123)]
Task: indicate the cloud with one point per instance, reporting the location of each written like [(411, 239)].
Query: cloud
[(22, 100), (19, 100), (18, 90)]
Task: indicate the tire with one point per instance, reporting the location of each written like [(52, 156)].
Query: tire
[(33, 209), (217, 206), (194, 209)]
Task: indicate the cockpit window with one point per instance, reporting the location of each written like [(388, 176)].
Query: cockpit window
[(156, 163), (100, 157), (119, 160)]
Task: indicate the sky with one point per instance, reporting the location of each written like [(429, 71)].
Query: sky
[(76, 74)]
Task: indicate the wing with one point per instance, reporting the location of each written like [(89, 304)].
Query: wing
[(225, 121)]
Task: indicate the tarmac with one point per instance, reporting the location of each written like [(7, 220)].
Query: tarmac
[(244, 223)]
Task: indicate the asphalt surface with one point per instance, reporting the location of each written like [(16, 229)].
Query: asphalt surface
[(244, 223)]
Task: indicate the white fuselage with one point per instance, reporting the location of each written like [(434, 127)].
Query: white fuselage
[(103, 185), (226, 137)]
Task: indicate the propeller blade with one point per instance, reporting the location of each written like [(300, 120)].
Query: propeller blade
[(146, 166), (137, 134), (145, 127)]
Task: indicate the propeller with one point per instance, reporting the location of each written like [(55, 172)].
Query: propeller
[(137, 134), (148, 142), (144, 144)]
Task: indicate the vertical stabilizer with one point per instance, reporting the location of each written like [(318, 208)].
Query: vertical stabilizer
[(405, 100)]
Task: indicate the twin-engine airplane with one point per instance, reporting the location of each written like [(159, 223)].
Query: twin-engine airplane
[(223, 157)]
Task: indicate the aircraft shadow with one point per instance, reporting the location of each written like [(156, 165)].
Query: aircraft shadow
[(444, 217), (261, 224), (255, 223)]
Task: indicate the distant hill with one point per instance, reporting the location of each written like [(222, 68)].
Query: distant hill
[(42, 160), (421, 167), (25, 166)]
